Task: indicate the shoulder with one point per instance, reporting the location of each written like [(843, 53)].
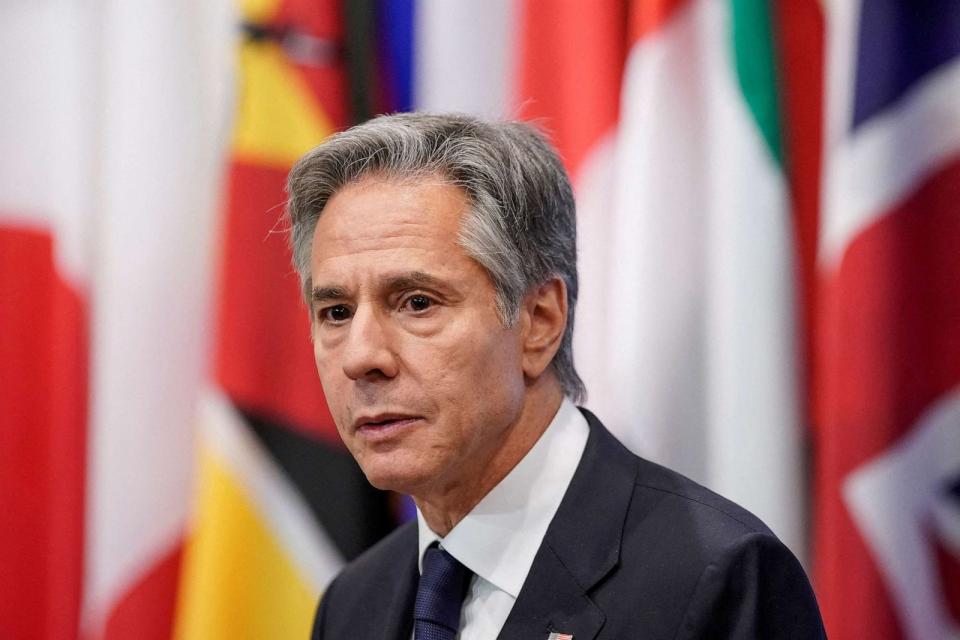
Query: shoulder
[(394, 554), (691, 525), (684, 502), (661, 497), (704, 535), (696, 559), (377, 581)]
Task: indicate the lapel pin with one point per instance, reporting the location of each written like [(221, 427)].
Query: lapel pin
[(560, 636)]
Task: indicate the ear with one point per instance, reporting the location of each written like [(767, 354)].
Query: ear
[(544, 319)]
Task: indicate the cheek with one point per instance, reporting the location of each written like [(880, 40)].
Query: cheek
[(332, 383), (327, 359), (474, 367)]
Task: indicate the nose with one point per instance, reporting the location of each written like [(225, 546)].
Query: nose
[(368, 352)]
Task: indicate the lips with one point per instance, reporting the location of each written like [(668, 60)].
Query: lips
[(384, 425)]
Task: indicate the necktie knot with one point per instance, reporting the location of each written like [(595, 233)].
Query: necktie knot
[(443, 585)]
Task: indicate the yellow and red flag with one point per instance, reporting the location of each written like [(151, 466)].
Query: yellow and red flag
[(280, 503)]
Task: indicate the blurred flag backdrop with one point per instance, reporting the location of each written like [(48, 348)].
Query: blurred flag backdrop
[(887, 384), (279, 503), (769, 222)]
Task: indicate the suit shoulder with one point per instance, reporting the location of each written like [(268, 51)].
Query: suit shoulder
[(718, 566), (701, 504), (390, 555), (371, 591), (662, 498)]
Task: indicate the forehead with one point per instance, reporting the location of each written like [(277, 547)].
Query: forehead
[(384, 221)]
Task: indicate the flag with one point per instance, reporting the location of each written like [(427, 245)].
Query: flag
[(464, 56), (887, 361), (104, 192), (570, 69), (280, 505), (698, 365), (45, 280)]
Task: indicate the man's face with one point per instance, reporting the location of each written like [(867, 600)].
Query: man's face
[(420, 375)]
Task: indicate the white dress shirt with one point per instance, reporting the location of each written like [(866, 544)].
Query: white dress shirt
[(499, 538)]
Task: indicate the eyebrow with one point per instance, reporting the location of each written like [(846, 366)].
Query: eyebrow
[(410, 280), (324, 294)]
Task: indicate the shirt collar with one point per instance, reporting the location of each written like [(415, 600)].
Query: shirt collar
[(500, 536)]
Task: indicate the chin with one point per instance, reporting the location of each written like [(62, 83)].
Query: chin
[(393, 477)]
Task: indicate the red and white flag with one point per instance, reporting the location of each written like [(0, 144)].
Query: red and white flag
[(46, 267), (109, 131)]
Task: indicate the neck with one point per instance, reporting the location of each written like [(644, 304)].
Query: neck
[(444, 508)]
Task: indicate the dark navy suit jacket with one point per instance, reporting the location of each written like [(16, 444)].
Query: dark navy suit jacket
[(634, 551)]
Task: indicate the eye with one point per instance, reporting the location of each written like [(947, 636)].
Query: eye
[(336, 314), (417, 303)]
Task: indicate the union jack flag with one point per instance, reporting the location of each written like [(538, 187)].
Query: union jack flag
[(887, 355)]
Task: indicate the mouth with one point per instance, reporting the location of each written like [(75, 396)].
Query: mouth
[(383, 426)]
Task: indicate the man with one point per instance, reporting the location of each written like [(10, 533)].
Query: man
[(438, 260)]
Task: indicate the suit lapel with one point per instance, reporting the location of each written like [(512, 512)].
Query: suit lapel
[(552, 600), (582, 545)]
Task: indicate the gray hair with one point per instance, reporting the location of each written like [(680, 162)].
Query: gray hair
[(521, 226)]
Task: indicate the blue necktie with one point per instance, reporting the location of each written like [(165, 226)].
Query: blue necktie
[(443, 584)]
